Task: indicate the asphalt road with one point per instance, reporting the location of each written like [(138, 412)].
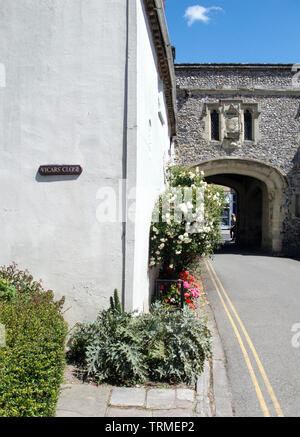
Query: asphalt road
[(263, 304)]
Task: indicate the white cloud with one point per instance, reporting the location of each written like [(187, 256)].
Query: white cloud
[(199, 13)]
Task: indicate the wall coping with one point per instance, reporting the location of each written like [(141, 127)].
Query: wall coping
[(234, 66), (286, 91)]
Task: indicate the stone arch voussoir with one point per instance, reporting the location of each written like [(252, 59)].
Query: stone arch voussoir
[(273, 178)]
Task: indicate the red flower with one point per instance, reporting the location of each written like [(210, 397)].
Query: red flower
[(188, 301)]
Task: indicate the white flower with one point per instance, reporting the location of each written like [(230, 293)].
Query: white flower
[(152, 262), (178, 252), (161, 246), (183, 208), (157, 252)]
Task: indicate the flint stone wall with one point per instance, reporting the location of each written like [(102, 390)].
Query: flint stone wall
[(277, 144)]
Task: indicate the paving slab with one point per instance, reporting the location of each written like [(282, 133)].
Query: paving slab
[(66, 413), (178, 412), (161, 398), (82, 400), (185, 394), (128, 397), (203, 407), (128, 412), (185, 404), (185, 398), (222, 395)]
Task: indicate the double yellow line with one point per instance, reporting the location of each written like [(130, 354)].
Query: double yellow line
[(222, 293)]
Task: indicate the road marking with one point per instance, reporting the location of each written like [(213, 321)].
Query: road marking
[(250, 343), (259, 394)]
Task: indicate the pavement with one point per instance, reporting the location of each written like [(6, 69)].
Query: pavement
[(263, 290), (210, 397), (86, 400)]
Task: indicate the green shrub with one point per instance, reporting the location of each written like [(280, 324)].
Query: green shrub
[(21, 280), (183, 229), (32, 363), (7, 291), (111, 348), (121, 348), (82, 336), (176, 344)]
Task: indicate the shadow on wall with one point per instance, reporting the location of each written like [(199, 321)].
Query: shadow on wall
[(291, 225), (153, 275), (55, 178), (252, 229)]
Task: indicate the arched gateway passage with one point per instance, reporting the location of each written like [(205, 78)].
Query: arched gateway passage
[(259, 188)]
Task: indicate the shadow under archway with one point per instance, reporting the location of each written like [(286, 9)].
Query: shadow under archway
[(251, 227), (260, 190)]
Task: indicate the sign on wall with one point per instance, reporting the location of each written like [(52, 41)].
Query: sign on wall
[(60, 170)]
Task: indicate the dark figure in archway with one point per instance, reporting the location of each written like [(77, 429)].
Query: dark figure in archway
[(233, 227)]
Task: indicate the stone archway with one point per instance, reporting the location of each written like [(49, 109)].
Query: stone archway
[(262, 180)]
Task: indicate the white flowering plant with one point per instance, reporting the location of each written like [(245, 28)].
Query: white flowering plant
[(186, 219)]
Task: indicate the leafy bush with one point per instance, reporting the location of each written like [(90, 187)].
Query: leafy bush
[(186, 219), (121, 348), (7, 291), (110, 348), (21, 280), (32, 363), (177, 344)]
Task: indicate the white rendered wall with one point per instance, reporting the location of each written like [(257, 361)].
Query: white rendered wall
[(63, 104), (153, 143)]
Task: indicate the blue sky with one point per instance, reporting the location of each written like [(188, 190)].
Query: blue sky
[(246, 31)]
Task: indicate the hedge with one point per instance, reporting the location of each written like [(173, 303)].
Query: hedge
[(33, 360)]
